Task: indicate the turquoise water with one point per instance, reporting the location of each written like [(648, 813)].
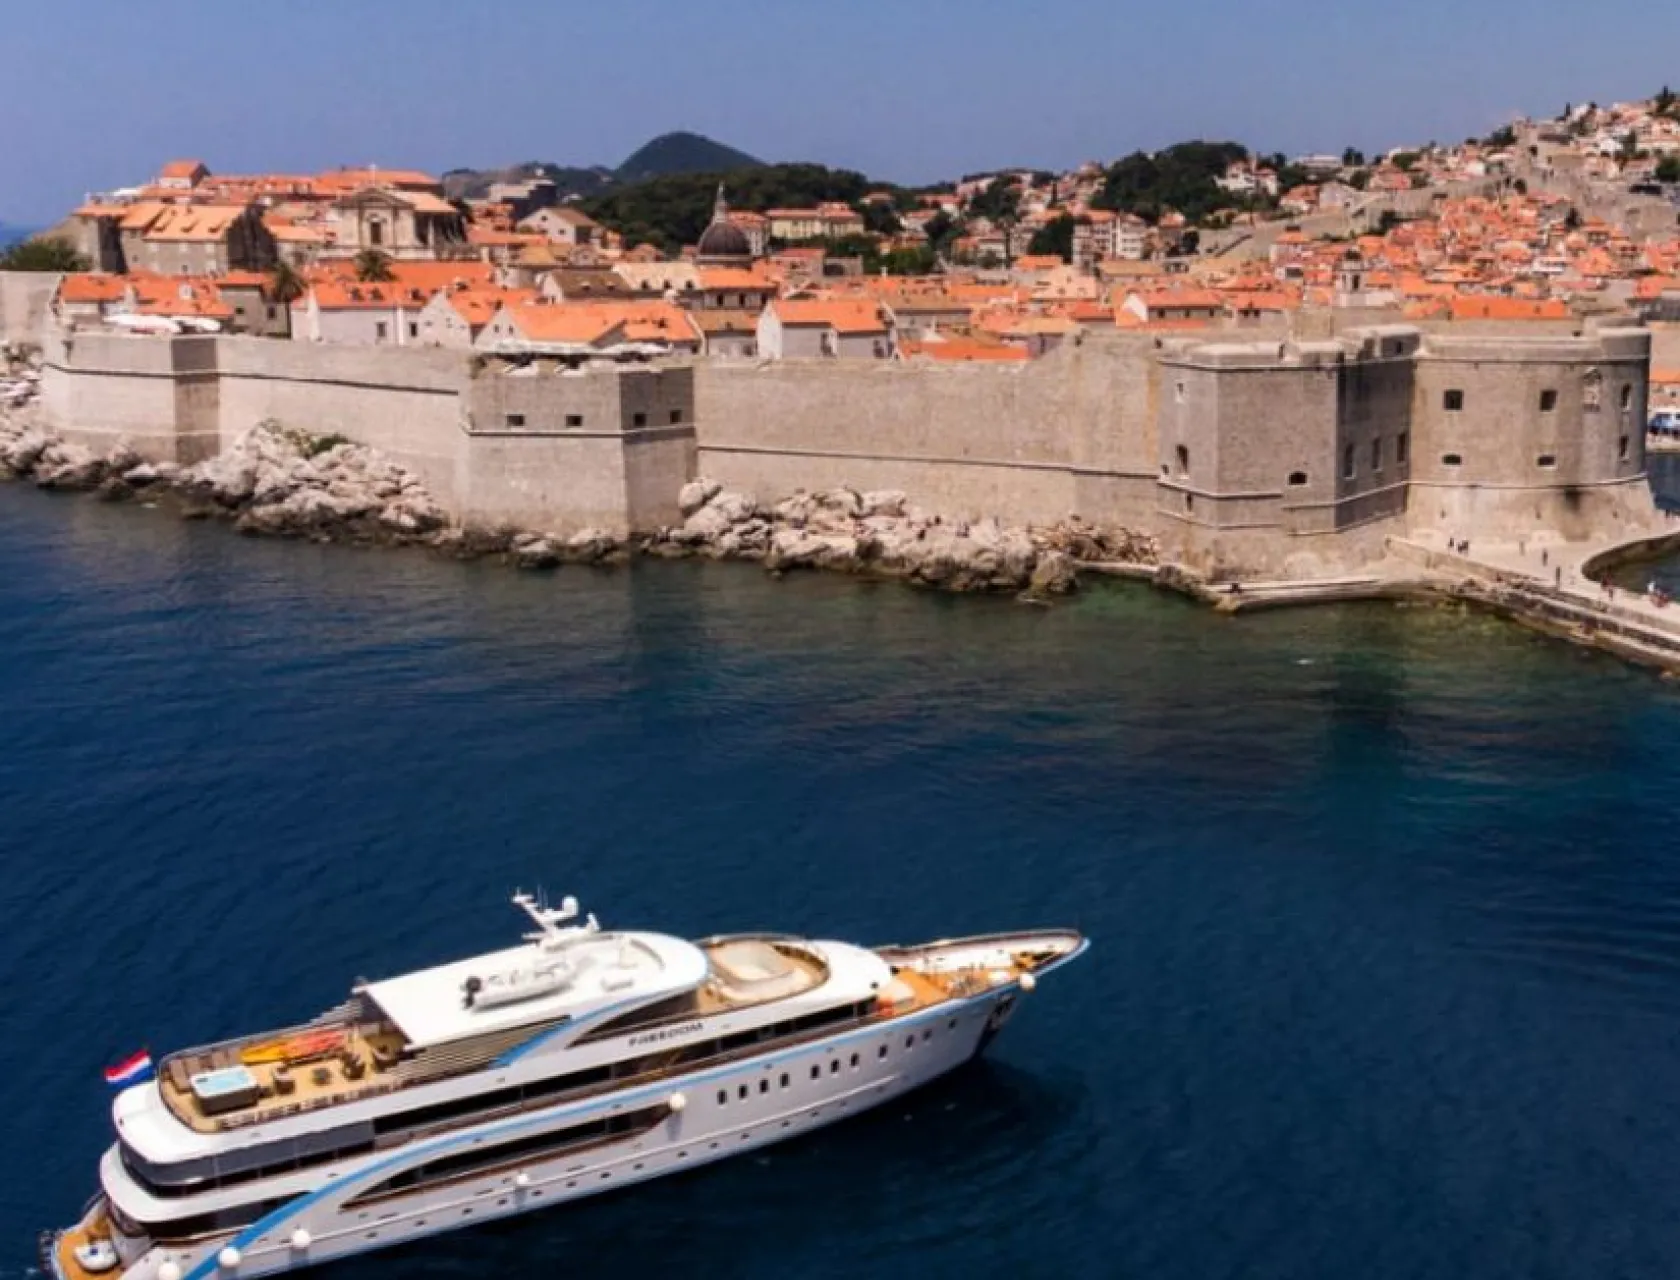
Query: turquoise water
[(1386, 902)]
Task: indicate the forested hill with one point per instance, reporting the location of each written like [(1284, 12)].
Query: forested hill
[(668, 154), (678, 153), (672, 211)]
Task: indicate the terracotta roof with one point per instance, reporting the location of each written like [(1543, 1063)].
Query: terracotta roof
[(717, 320), (351, 179), (574, 323), (964, 350), (731, 278), (91, 287), (478, 307), (1477, 307), (194, 223), (843, 315), (180, 169)]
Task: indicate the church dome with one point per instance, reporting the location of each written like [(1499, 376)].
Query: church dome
[(723, 239)]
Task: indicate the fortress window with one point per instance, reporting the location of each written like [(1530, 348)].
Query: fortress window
[(574, 419), (1546, 460), (1297, 478), (1183, 455), (676, 416), (1178, 392), (1627, 398), (1548, 401), (638, 419), (1347, 463), (1622, 449), (1376, 454), (1400, 448), (516, 419), (1451, 460), (1452, 401)]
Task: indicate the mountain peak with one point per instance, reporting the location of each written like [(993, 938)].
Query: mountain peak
[(682, 152)]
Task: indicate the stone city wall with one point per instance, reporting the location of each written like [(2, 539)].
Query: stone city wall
[(1072, 433), (25, 299), (1298, 456)]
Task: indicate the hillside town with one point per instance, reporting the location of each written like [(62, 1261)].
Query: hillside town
[(1544, 221)]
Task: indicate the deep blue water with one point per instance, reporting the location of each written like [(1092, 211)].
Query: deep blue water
[(1386, 902)]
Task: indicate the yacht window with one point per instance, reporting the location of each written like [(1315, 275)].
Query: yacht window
[(492, 1155)]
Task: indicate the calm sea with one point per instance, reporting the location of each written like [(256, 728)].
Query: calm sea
[(1386, 902)]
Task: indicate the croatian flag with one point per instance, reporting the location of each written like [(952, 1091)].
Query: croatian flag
[(130, 1071)]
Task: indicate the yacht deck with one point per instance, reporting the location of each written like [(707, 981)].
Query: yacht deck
[(64, 1248), (360, 1066)]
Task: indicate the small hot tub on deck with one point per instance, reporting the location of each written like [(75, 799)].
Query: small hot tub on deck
[(225, 1089)]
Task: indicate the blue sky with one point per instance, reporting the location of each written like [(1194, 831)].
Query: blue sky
[(98, 93)]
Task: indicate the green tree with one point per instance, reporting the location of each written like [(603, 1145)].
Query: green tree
[(45, 253), (373, 267), (1359, 179), (673, 210), (916, 260), (1406, 161), (1664, 102), (1500, 138), (1668, 169), (286, 284), (1182, 177), (881, 219), (1056, 236), (998, 203), (1572, 219), (1353, 158), (941, 231), (1388, 221)]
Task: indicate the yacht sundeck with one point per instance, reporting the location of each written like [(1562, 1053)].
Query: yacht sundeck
[(581, 1061)]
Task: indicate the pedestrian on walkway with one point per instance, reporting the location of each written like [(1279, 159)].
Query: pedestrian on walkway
[(1557, 577)]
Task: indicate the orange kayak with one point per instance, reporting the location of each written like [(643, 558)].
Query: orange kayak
[(300, 1048)]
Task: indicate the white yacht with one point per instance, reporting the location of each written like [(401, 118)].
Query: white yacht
[(581, 1061)]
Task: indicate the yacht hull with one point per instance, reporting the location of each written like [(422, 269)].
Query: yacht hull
[(681, 1121)]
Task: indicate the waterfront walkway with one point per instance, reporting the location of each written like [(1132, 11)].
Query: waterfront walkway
[(1550, 583)]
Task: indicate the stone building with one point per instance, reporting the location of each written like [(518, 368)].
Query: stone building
[(1264, 448), (399, 224), (846, 328), (194, 239)]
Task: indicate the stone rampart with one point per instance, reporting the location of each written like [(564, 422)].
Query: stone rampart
[(1072, 433), (25, 299), (1272, 454)]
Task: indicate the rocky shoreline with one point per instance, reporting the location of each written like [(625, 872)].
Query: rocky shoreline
[(279, 481)]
